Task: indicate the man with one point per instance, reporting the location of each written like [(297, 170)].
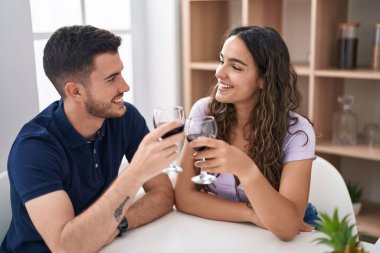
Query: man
[(63, 165)]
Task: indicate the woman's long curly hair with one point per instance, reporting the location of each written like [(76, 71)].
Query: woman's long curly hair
[(270, 119)]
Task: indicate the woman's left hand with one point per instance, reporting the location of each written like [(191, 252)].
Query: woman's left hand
[(306, 227), (220, 157)]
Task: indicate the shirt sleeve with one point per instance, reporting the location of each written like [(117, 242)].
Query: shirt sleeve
[(34, 168), (300, 143), (200, 107)]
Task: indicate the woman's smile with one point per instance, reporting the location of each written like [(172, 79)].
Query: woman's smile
[(224, 87)]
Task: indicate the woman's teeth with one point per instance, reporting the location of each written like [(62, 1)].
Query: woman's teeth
[(225, 86)]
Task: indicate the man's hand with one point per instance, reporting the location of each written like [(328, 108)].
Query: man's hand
[(155, 153)]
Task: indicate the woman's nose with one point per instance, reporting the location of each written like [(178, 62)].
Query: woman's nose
[(220, 71)]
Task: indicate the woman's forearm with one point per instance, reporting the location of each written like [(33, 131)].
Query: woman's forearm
[(212, 207), (276, 212)]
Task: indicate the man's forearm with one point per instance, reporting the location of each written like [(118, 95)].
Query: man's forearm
[(91, 230), (151, 206)]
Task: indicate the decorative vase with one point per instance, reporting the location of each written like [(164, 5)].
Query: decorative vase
[(345, 123), (357, 207)]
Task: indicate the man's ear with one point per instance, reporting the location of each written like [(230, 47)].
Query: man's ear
[(74, 90)]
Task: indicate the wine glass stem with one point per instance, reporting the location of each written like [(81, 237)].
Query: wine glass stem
[(203, 174)]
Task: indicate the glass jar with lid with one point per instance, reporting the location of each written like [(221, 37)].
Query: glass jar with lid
[(347, 45), (345, 123), (376, 48)]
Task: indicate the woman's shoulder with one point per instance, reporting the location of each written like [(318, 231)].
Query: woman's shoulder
[(300, 129), (302, 123), (200, 108), (203, 102), (299, 143)]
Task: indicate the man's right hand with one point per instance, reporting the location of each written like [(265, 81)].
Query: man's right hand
[(62, 231), (154, 153)]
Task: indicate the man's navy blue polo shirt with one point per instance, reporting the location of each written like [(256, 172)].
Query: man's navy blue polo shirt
[(50, 155)]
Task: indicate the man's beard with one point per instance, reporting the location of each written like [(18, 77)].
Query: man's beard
[(100, 109)]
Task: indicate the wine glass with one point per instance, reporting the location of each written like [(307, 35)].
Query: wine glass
[(162, 115), (196, 127)]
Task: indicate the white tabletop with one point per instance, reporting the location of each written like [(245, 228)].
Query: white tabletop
[(179, 232)]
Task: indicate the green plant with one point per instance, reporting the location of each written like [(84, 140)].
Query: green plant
[(339, 234), (355, 192)]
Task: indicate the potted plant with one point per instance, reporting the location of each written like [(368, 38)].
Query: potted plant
[(338, 234), (355, 192)]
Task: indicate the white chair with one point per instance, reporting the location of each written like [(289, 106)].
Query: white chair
[(5, 205), (329, 191)]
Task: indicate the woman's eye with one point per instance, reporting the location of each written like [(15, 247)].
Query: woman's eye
[(236, 68), (221, 61)]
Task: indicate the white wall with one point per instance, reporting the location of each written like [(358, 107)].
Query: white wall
[(156, 46), (18, 87), (158, 66)]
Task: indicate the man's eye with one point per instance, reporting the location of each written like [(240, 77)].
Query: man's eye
[(221, 61), (112, 79)]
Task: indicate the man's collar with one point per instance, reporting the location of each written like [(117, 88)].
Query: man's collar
[(73, 138)]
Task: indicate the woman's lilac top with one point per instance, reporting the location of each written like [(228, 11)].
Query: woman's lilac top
[(296, 147)]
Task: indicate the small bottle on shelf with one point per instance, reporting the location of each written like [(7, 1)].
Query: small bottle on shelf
[(345, 123), (376, 48), (347, 45), (372, 134)]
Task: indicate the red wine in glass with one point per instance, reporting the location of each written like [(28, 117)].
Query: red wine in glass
[(163, 115), (173, 131), (192, 137), (196, 127)]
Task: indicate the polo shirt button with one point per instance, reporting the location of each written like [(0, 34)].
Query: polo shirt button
[(96, 165), (94, 151)]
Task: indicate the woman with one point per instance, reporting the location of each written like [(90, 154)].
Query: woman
[(264, 150)]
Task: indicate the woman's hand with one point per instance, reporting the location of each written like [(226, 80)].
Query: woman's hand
[(253, 218), (306, 227), (221, 157)]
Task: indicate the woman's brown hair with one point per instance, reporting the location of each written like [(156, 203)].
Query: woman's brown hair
[(270, 120)]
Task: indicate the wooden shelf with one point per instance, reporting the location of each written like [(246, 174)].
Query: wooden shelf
[(369, 219), (309, 29), (206, 0), (359, 151), (355, 73), (302, 69), (204, 65)]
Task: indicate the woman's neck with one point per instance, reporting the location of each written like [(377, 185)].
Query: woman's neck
[(243, 114), (245, 108)]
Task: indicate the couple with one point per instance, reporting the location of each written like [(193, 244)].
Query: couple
[(63, 166)]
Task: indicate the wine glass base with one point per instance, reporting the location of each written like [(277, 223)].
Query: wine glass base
[(203, 179), (172, 169)]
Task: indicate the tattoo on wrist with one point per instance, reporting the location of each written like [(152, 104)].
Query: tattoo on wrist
[(118, 214)]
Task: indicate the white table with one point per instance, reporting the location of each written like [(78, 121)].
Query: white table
[(179, 232)]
